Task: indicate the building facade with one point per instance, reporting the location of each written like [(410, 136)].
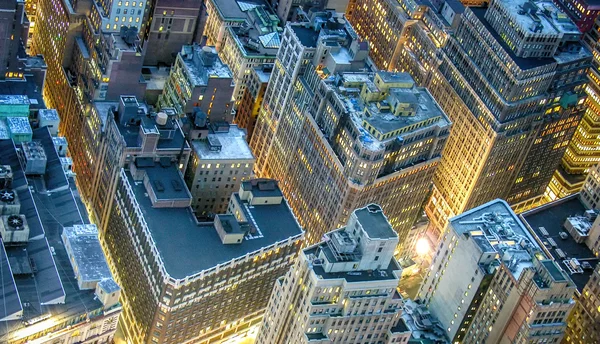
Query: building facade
[(582, 153), (251, 44), (252, 98), (490, 281), (170, 295), (14, 28), (219, 164), (342, 289), (339, 136), (199, 79), (519, 121), (174, 24)]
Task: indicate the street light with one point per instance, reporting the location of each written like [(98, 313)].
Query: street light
[(422, 247)]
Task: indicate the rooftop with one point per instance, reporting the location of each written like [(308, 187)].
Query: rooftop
[(390, 272), (179, 237), (87, 252), (203, 63), (14, 100), (261, 32), (165, 179), (262, 188), (236, 9), (494, 227), (540, 17), (404, 110), (551, 218), (375, 223), (233, 146), (523, 63), (46, 216)]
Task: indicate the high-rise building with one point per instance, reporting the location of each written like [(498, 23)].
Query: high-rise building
[(247, 34), (583, 152), (342, 289), (491, 282), (14, 28), (199, 79), (174, 24), (583, 12), (218, 166), (338, 135), (518, 121), (83, 65), (252, 99), (584, 320), (56, 284), (184, 280), (568, 231)]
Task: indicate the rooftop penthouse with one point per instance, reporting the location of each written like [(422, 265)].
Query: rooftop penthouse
[(532, 28), (202, 63), (254, 222), (227, 144), (260, 34), (385, 106), (363, 250), (503, 239)]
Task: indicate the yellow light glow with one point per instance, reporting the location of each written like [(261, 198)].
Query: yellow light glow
[(422, 247)]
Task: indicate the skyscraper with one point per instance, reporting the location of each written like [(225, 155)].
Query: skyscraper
[(518, 103), (338, 135), (252, 98), (342, 289), (14, 28), (185, 280), (583, 152), (491, 282), (199, 79)]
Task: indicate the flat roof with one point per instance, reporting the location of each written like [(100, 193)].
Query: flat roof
[(14, 100), (552, 218), (557, 22), (523, 63), (87, 252), (375, 223), (166, 182), (11, 303), (188, 247), (198, 72), (233, 146), (54, 177), (308, 37), (26, 87), (55, 276)]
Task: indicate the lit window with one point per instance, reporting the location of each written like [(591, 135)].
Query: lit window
[(137, 20), (160, 28), (126, 3), (130, 19), (164, 13), (141, 3), (133, 4), (108, 26), (120, 3), (115, 27), (117, 19)]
